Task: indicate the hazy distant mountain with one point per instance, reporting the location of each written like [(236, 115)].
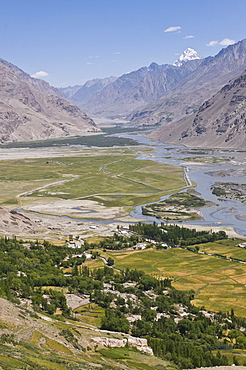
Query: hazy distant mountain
[(188, 54), (136, 89), (80, 93), (210, 76), (31, 109), (219, 122), (69, 91)]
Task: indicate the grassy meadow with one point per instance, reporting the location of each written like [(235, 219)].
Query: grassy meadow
[(112, 177)]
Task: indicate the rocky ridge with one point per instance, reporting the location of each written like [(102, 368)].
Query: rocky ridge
[(30, 109), (219, 122), (13, 222), (136, 89), (211, 75), (81, 93), (39, 84), (140, 344)]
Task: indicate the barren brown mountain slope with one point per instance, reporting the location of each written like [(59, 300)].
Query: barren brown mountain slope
[(28, 113), (219, 122), (39, 84)]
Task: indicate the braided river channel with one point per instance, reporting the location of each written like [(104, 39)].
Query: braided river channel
[(230, 169)]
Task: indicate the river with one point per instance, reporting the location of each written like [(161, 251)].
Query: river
[(225, 212)]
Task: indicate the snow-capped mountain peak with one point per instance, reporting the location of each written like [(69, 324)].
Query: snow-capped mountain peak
[(188, 54)]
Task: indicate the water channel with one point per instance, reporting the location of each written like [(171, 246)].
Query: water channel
[(224, 212)]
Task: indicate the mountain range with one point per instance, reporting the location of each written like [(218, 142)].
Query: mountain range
[(31, 109), (80, 93), (136, 89), (175, 97), (164, 94), (206, 80), (219, 122)]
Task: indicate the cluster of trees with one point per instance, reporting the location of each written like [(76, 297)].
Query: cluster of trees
[(116, 321), (219, 192), (73, 261), (189, 341), (186, 355), (117, 242), (175, 235), (49, 301)]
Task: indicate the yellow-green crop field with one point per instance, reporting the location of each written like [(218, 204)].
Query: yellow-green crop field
[(218, 284), (91, 314), (225, 248)]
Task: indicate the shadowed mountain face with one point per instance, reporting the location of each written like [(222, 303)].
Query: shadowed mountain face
[(210, 76), (31, 109), (136, 89), (219, 122)]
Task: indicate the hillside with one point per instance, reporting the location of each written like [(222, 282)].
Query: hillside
[(210, 76), (64, 311), (219, 122), (31, 109), (31, 340)]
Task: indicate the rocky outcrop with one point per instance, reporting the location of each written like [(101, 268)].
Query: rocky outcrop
[(13, 223), (140, 344)]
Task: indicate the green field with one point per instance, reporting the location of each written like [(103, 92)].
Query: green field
[(206, 159), (90, 314), (225, 248), (219, 284), (112, 177)]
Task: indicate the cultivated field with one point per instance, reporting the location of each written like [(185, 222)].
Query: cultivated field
[(218, 284)]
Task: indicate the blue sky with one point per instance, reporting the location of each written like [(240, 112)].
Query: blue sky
[(68, 42)]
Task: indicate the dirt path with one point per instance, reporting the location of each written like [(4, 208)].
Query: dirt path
[(46, 186), (106, 264)]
